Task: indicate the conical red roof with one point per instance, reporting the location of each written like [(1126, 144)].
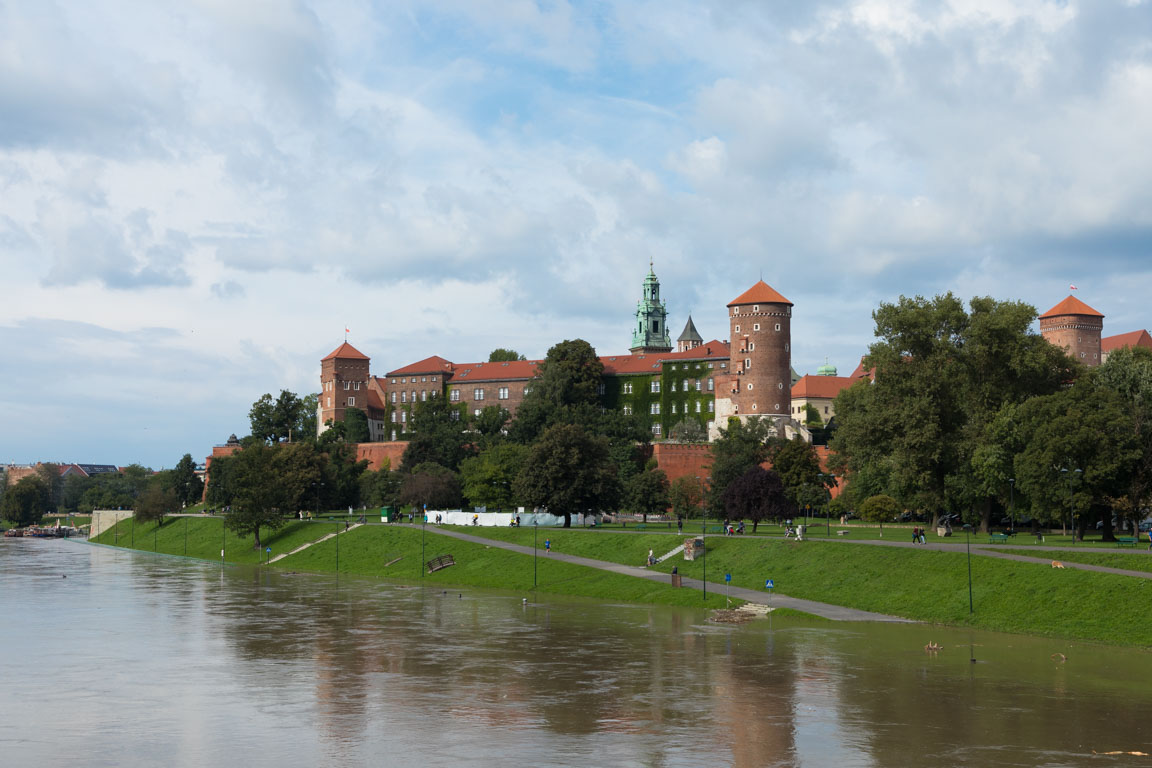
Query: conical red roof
[(761, 293), (345, 352), (1071, 306)]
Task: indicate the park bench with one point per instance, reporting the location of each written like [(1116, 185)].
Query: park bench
[(842, 533), (641, 527), (994, 538), (439, 562), (1126, 541), (716, 529)]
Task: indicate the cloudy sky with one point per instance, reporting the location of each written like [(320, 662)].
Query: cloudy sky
[(196, 198)]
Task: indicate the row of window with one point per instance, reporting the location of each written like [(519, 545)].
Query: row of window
[(502, 393), (755, 327), (423, 379), (654, 408), (424, 395), (348, 386)]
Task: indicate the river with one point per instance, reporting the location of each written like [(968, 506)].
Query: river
[(118, 658)]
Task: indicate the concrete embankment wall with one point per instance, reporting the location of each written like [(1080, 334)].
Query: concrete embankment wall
[(103, 519)]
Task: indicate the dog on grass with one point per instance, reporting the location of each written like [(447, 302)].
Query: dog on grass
[(1057, 564)]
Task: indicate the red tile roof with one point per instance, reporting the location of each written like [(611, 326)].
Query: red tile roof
[(623, 365), (1071, 306), (508, 371), (345, 352), (860, 373), (1130, 339), (434, 364), (761, 293), (821, 386)]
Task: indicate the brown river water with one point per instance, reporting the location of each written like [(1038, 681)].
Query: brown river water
[(140, 660)]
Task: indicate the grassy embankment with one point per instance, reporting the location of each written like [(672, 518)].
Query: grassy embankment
[(1129, 561), (394, 553), (920, 584)]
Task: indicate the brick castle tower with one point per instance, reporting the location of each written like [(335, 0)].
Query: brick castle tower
[(343, 384), (760, 356), (1076, 327)]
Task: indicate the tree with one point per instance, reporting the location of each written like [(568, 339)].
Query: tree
[(431, 486), (812, 417), (438, 436), (259, 495), (568, 472), (25, 502), (501, 355), (50, 474), (339, 476), (282, 418), (941, 374), (488, 477), (686, 494), (158, 499), (877, 509), (1087, 428), (1128, 373), (688, 430), (740, 447), (185, 482), (356, 426), (799, 468), (565, 390), (489, 425), (381, 488), (647, 493), (757, 495)]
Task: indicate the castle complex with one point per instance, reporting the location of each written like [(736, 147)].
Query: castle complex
[(748, 375)]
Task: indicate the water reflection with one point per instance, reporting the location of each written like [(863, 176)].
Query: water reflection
[(158, 659)]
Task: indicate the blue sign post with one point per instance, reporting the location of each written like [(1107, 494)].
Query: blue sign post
[(727, 583), (769, 585)]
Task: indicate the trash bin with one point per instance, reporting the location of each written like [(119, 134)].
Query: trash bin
[(676, 580)]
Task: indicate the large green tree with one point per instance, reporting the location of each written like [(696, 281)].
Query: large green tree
[(159, 498), (285, 417), (941, 374), (1128, 373), (741, 446), (488, 476), (260, 496), (502, 355), (567, 472), (798, 466), (431, 486), (185, 482), (686, 494), (356, 425), (26, 501), (439, 435), (565, 390), (647, 493)]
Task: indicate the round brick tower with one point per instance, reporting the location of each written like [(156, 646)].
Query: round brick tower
[(761, 352), (1076, 327)]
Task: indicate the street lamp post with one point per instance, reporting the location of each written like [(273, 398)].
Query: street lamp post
[(535, 530), (1068, 475), (1012, 503), (968, 544), (828, 500), (422, 524)]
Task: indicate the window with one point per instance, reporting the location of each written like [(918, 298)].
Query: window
[(403, 381), (423, 395), (756, 327), (673, 407), (478, 394), (710, 425), (779, 385), (655, 385), (393, 397), (825, 409), (697, 406), (329, 402), (710, 385), (755, 307), (698, 383), (413, 393), (424, 379), (723, 365), (627, 387), (627, 410), (433, 378), (403, 397), (747, 363), (455, 415), (656, 430), (654, 409), (751, 346), (777, 326), (737, 329), (601, 388), (502, 393), (476, 412), (749, 385), (393, 381), (673, 386), (711, 407), (347, 386), (393, 435), (393, 419), (404, 417), (455, 396), (786, 347), (356, 386)]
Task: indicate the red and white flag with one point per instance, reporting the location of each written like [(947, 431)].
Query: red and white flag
[(349, 330), (1072, 287)]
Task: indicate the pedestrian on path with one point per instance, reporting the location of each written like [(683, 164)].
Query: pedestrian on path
[(651, 557), (547, 546)]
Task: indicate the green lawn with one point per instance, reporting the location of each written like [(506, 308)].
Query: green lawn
[(1126, 559), (922, 584), (368, 550)]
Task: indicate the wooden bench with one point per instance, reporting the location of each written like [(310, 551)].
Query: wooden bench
[(993, 538), (442, 561), (1126, 541)]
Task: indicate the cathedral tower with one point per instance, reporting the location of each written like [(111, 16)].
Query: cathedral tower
[(650, 332)]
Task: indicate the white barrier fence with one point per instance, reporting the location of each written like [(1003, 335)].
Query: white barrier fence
[(527, 519)]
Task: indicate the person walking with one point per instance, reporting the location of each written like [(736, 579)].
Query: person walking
[(547, 546), (915, 534)]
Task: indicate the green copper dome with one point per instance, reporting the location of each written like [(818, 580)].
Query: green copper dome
[(826, 369)]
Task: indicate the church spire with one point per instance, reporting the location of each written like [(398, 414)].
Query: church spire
[(650, 331)]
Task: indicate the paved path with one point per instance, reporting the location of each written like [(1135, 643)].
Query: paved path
[(834, 612)]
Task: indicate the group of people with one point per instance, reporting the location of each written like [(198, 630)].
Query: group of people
[(730, 530), (793, 532), (918, 535), (514, 522)]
